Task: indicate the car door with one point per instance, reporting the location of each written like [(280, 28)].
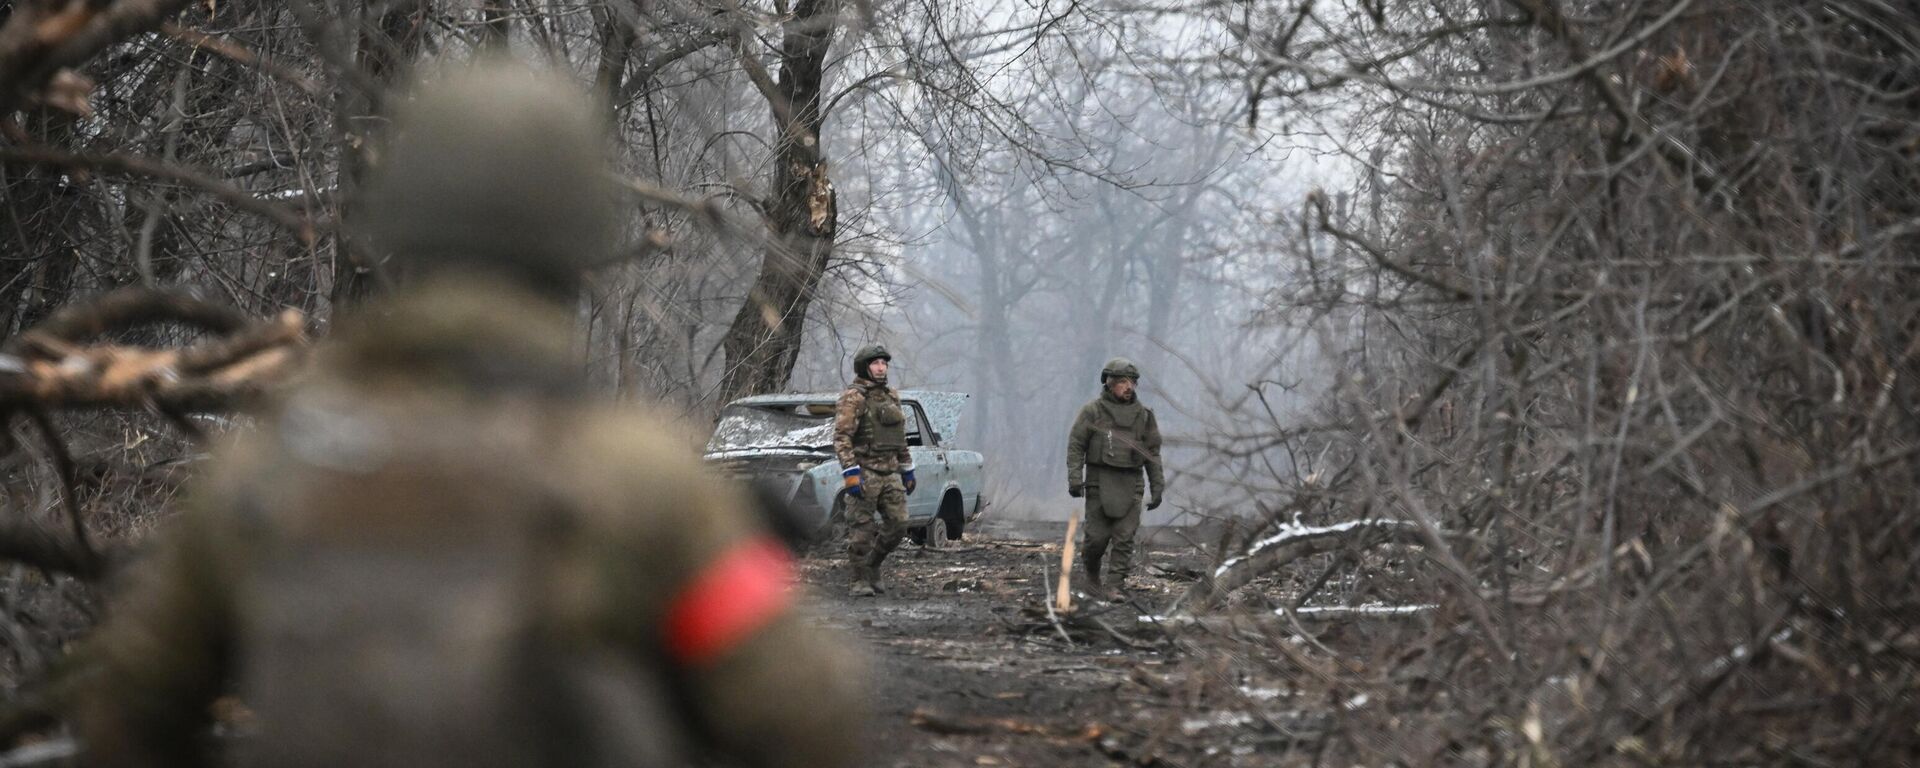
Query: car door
[(929, 465)]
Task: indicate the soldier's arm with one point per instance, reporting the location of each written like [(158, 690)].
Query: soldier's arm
[(709, 593), (1077, 437), (782, 694), (1156, 474), (162, 655), (766, 686), (846, 418)]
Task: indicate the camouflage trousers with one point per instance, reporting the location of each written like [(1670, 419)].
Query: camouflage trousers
[(1113, 516), (875, 522)]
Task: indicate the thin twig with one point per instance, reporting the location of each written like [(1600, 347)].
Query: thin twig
[(304, 228), (69, 482)]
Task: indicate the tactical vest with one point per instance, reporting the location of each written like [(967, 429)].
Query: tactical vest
[(1119, 435), (403, 597), (882, 432)]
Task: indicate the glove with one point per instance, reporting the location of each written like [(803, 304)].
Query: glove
[(1076, 490), (906, 479), (852, 477), (1154, 503)]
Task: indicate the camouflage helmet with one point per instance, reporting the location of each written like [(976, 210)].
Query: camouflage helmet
[(494, 168), (1119, 367), (868, 354)]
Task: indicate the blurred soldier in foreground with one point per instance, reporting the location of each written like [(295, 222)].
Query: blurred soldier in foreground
[(440, 550), (870, 439), (1113, 437)]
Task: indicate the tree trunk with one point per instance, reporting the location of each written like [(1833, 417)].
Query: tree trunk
[(40, 232), (764, 340), (383, 52), (988, 241), (498, 26)]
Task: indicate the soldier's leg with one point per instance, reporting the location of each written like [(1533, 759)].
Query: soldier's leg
[(1123, 534), (1122, 505), (863, 535), (1099, 531), (891, 504)]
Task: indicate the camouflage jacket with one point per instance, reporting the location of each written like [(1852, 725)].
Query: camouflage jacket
[(439, 551), (1110, 433), (860, 438)]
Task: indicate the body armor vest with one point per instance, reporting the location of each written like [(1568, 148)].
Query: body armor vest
[(1119, 436), (883, 426)]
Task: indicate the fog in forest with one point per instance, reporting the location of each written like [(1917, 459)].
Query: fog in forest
[(1081, 202), (1584, 331)]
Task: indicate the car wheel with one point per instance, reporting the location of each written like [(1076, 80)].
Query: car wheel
[(934, 536), (956, 521)]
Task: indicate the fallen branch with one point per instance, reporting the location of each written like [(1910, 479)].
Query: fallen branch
[(49, 367), (1332, 612), (1064, 596), (1292, 542), (1329, 613), (34, 545), (1090, 621), (957, 725), (1012, 544), (1120, 637), (125, 309), (1052, 617), (52, 366)]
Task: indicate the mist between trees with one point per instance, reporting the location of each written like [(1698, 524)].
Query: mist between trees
[(1612, 302)]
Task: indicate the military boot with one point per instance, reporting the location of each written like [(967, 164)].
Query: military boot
[(861, 585), (1090, 562), (873, 572)]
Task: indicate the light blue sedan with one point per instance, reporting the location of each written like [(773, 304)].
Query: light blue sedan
[(785, 442)]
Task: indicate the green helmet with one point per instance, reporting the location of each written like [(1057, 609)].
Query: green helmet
[(868, 354), (495, 168), (1120, 367)]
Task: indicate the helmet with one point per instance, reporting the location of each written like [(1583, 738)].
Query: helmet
[(495, 168), (1120, 367), (868, 354)]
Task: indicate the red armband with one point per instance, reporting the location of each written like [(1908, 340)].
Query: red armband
[(734, 596)]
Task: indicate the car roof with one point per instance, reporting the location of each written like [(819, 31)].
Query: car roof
[(943, 408), (788, 398), (784, 398)]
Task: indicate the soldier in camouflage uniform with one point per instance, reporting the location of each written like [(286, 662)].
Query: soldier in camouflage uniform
[(870, 439), (439, 549), (1113, 438)]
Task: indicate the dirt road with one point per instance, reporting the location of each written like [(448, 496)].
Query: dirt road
[(971, 675)]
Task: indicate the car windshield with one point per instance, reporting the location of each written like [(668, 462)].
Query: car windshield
[(807, 426)]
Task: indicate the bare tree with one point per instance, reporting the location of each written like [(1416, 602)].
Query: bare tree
[(801, 212), (1621, 297)]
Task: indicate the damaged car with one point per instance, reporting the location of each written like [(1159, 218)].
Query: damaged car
[(784, 443)]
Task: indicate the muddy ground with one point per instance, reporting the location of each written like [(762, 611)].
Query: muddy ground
[(972, 671)]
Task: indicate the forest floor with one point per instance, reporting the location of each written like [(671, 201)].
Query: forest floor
[(971, 671)]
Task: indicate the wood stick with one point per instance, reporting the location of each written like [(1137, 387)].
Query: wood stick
[(1063, 598)]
